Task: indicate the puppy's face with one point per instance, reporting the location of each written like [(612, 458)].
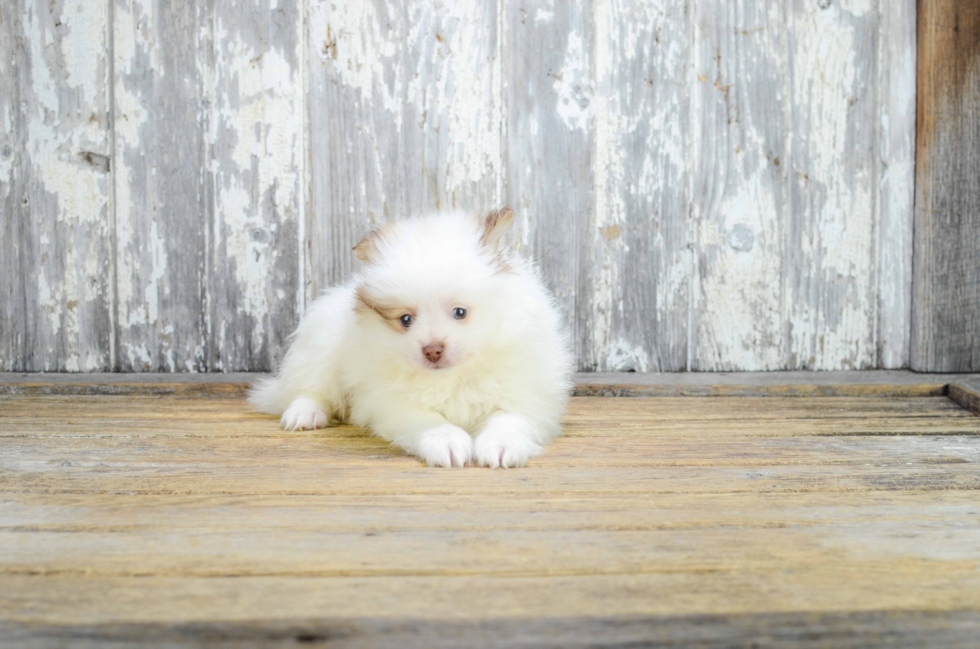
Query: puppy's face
[(430, 294)]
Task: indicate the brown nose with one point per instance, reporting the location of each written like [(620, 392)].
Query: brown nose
[(433, 352)]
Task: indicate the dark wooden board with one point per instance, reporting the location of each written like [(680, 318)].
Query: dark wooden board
[(946, 275), (895, 629)]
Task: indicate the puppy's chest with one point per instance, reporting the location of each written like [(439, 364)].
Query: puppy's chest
[(466, 405)]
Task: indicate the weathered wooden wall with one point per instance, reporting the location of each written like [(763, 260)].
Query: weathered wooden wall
[(947, 213), (707, 184)]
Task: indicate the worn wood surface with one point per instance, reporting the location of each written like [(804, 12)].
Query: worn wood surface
[(741, 98), (163, 198), (947, 205), (831, 281), (188, 520), (55, 185), (897, 629), (966, 393), (896, 70), (258, 163), (707, 185), (548, 64), (637, 315), (405, 117), (881, 383)]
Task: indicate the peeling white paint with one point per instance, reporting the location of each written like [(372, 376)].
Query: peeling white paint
[(838, 246), (804, 261), (573, 86), (896, 68), (356, 29), (608, 173), (257, 140), (621, 357), (639, 168), (64, 193)]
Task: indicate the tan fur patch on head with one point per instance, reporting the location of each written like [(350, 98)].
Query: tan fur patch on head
[(389, 312), (495, 224)]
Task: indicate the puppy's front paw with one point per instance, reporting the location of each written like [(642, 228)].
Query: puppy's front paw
[(445, 445), (504, 444), (303, 414)]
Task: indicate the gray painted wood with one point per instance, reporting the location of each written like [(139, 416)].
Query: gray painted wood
[(946, 313), (257, 152), (740, 196), (706, 185), (896, 173), (162, 55), (404, 118), (636, 317), (803, 228), (548, 63), (54, 187), (831, 292)]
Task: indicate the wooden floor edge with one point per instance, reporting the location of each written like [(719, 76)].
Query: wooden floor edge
[(762, 389), (775, 384), (955, 628), (967, 396)]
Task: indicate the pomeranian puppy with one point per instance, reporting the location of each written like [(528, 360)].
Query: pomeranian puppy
[(445, 344)]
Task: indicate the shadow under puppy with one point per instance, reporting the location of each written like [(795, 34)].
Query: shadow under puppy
[(445, 344)]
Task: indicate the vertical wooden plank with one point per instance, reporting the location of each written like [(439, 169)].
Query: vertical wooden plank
[(831, 253), (896, 179), (741, 185), (946, 290), (404, 117), (55, 187), (257, 144), (15, 338), (162, 53), (548, 61), (636, 317)]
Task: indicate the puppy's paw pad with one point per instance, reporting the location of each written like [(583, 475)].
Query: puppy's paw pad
[(504, 449), (446, 446), (303, 414)]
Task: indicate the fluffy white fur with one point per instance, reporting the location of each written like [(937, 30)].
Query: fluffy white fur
[(495, 396)]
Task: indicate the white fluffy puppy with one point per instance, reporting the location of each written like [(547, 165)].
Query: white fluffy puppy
[(442, 337)]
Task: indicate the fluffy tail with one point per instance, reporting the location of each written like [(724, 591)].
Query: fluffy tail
[(267, 395)]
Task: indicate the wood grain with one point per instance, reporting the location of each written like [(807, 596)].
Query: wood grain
[(881, 383), (637, 315), (741, 212), (189, 519), (221, 158), (946, 293), (164, 209), (901, 629), (830, 277), (966, 394), (548, 60), (255, 292), (896, 70), (55, 186), (405, 117)]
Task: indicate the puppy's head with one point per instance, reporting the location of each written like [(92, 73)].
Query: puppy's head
[(430, 292)]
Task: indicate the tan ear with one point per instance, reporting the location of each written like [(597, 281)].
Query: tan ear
[(367, 248), (495, 224)]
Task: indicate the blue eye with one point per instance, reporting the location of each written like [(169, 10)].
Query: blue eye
[(407, 320), (459, 313)]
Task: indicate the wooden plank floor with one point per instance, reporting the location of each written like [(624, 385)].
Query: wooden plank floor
[(780, 521)]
